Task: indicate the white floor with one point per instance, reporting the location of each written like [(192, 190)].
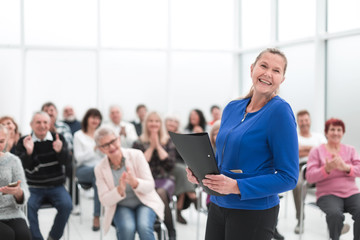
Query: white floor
[(315, 226)]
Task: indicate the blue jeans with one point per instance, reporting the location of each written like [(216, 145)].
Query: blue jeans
[(129, 221), (86, 174), (60, 199)]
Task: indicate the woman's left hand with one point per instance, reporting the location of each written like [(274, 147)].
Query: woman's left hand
[(221, 184), (16, 191)]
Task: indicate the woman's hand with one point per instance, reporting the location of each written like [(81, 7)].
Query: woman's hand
[(340, 164), (191, 177), (154, 139), (16, 191), (122, 184), (221, 184), (131, 179)]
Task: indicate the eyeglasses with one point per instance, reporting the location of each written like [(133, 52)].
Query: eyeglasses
[(106, 146)]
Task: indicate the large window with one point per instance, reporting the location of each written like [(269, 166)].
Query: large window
[(175, 55)]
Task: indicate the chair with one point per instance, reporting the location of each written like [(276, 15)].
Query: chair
[(159, 227), (80, 185), (303, 188), (200, 209)]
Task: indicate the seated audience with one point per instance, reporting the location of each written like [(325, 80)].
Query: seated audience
[(13, 133), (87, 157), (160, 153), (44, 155), (197, 122), (215, 114), (13, 224), (126, 188), (125, 129), (184, 190), (141, 111), (333, 167), (69, 118), (307, 140)]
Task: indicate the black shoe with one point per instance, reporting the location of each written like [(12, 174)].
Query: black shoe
[(180, 218), (277, 235)]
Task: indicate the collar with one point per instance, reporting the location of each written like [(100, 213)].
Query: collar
[(48, 137)]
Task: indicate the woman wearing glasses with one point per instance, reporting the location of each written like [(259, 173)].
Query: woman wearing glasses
[(87, 156), (126, 188)]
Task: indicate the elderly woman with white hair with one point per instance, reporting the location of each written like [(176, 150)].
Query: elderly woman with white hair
[(126, 188), (14, 194)]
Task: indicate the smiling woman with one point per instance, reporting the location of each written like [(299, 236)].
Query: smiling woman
[(257, 156)]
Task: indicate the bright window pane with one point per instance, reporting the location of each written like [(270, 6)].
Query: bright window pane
[(11, 83), (293, 23), (298, 89), (343, 85), (61, 22), (205, 24), (255, 23), (343, 15), (61, 77), (9, 21), (200, 80), (130, 78), (134, 23)]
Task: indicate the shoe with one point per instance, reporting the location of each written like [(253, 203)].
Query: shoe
[(297, 229), (345, 229), (172, 235), (277, 235), (96, 224), (180, 218)]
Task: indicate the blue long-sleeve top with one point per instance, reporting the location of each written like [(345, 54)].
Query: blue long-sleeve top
[(259, 150)]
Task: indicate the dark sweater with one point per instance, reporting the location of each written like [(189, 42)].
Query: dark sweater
[(44, 167)]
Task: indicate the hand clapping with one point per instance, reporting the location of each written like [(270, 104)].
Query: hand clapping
[(28, 144)]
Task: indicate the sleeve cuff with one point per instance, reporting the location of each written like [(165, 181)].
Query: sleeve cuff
[(323, 171)]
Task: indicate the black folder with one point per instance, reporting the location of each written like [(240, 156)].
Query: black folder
[(198, 154)]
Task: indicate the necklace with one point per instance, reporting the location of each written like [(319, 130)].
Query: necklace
[(117, 167)]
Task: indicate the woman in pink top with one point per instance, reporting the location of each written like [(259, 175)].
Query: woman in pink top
[(333, 167), (126, 188)]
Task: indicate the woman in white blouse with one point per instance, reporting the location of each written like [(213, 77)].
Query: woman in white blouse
[(87, 156)]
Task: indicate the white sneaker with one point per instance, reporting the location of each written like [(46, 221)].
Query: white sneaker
[(345, 228), (297, 228)]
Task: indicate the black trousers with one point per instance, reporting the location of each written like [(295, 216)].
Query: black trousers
[(334, 208), (238, 224), (14, 229)]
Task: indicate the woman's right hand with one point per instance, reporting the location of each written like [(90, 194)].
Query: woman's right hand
[(190, 176)]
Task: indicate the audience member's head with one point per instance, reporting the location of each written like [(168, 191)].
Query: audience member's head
[(115, 114), (196, 118), (303, 121), (214, 132), (172, 123), (91, 120), (69, 113), (335, 123), (215, 112), (3, 138), (141, 111), (11, 125), (40, 124), (51, 110)]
